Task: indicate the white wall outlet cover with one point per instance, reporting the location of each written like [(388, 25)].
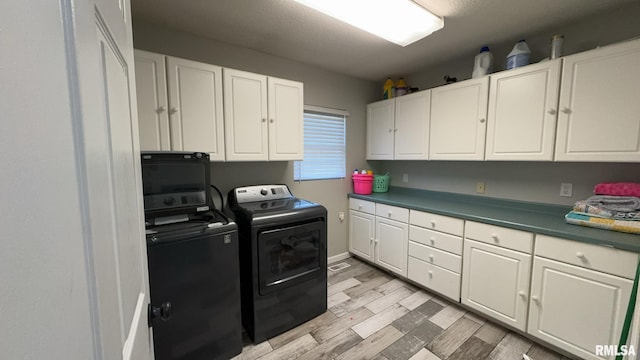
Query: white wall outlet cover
[(405, 177), (566, 189), (480, 187)]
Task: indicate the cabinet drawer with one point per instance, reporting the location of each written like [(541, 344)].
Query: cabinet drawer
[(362, 205), (436, 239), (499, 236), (437, 257), (590, 256), (392, 212), (434, 278), (442, 223)]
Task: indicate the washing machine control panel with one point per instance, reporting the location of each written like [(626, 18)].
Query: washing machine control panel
[(262, 193)]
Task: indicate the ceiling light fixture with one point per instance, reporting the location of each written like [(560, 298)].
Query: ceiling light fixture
[(400, 21)]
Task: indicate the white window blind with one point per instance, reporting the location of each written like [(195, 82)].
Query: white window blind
[(324, 147)]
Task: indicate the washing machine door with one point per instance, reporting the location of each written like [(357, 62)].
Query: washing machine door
[(290, 255)]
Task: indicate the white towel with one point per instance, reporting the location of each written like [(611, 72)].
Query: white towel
[(615, 203)]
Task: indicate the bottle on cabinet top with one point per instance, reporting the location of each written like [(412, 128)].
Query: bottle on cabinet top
[(519, 56), (483, 63)]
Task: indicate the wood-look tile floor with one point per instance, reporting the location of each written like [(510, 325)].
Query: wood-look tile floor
[(373, 315)]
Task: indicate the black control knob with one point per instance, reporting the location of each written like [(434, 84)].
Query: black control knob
[(264, 192)]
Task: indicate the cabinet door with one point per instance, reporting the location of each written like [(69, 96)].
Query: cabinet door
[(361, 234), (458, 120), (245, 116), (195, 99), (151, 92), (412, 126), (286, 119), (599, 107), (380, 129), (576, 309), (392, 238), (522, 112), (495, 281)]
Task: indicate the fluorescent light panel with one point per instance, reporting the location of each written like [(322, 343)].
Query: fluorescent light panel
[(400, 21)]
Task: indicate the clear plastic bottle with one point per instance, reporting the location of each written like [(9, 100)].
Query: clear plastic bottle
[(483, 63), (519, 56)]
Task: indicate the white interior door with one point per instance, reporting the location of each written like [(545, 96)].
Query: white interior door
[(114, 189)]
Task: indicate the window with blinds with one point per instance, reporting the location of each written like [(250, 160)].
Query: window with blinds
[(324, 147)]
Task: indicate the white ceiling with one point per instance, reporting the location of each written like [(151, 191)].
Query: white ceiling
[(290, 30)]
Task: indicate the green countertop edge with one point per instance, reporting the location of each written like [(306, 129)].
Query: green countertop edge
[(538, 218)]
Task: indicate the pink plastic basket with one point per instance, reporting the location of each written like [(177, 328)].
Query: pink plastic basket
[(362, 184)]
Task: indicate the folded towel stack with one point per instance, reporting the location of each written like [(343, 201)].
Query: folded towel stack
[(616, 206)]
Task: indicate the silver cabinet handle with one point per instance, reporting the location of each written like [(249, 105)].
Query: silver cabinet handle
[(160, 110), (264, 120), (272, 121), (566, 110), (535, 299), (390, 130), (173, 110), (551, 111), (482, 120)]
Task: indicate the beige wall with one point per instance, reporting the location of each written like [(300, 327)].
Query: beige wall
[(321, 88), (527, 181)]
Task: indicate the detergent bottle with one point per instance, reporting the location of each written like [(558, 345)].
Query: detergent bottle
[(388, 89), (519, 56), (483, 63)]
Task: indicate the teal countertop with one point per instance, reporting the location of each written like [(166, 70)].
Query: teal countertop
[(537, 218)]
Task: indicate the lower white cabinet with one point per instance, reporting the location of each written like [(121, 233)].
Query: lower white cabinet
[(495, 282), (361, 234), (362, 228), (576, 303), (392, 238), (435, 252), (379, 233), (391, 245), (496, 272)]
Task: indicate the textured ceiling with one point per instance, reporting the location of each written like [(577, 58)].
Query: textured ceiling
[(290, 30)]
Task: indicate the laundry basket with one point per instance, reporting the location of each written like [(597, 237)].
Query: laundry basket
[(362, 184), (381, 183)]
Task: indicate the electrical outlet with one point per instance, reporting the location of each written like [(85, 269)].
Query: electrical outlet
[(480, 187), (405, 177), (341, 215), (566, 189)]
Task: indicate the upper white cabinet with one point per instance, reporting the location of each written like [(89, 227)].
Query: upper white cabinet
[(399, 128), (522, 112), (458, 120), (599, 105), (380, 125), (263, 117), (411, 141), (179, 104), (151, 92)]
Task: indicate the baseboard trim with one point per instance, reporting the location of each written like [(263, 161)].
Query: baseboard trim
[(338, 257)]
